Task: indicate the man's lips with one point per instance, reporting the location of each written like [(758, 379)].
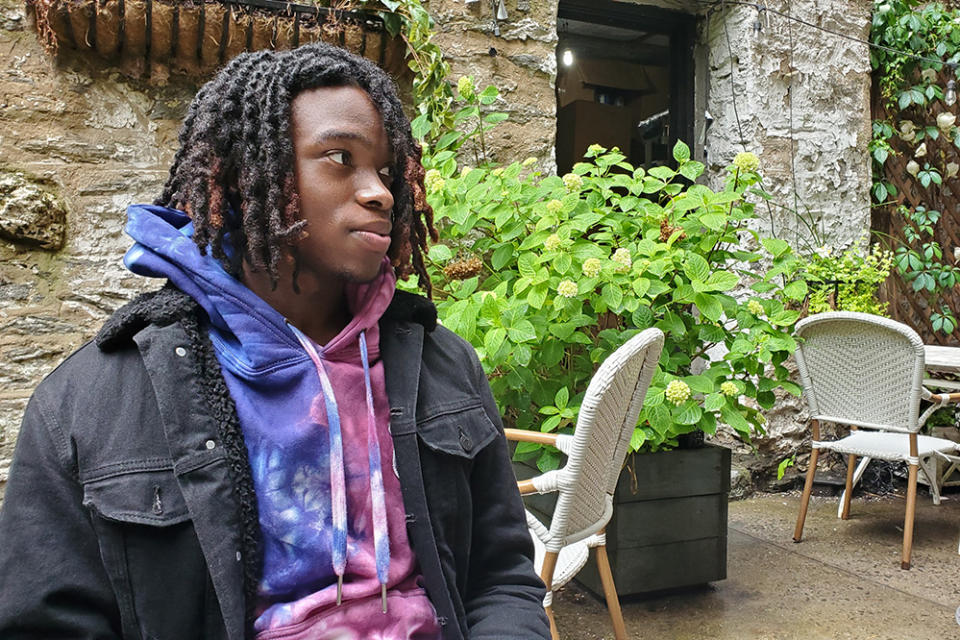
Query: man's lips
[(373, 238)]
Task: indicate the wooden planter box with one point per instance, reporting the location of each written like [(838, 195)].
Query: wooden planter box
[(673, 532)]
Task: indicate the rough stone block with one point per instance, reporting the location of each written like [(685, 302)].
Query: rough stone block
[(31, 211)]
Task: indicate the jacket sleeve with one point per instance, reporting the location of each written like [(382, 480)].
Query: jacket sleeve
[(52, 581), (504, 598)]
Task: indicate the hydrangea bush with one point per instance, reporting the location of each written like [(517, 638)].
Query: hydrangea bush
[(547, 275)]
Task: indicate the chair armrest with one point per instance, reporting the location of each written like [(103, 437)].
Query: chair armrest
[(522, 435), (526, 487), (944, 398)]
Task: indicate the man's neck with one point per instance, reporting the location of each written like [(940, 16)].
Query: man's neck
[(319, 309)]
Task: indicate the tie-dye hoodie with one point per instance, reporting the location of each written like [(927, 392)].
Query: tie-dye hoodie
[(315, 419)]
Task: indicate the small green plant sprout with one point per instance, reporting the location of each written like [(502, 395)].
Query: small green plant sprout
[(784, 465)]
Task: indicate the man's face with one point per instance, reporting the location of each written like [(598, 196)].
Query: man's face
[(342, 162)]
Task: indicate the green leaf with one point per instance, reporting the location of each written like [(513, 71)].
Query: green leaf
[(775, 246), (735, 419), (714, 221), (440, 253), (537, 296), (714, 401), (493, 340), (527, 265), (796, 290), (784, 318), (501, 256), (662, 173), (700, 384), (691, 170), (612, 295), (723, 280), (562, 397), (522, 331), (688, 413), (696, 267), (709, 306), (681, 152), (641, 286)]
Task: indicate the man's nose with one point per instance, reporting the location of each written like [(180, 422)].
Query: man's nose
[(372, 192)]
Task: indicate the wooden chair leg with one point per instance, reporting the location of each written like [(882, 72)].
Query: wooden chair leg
[(908, 519), (610, 591), (848, 491), (546, 574), (805, 499)]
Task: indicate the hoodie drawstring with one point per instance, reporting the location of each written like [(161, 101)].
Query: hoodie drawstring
[(338, 499), (381, 538)]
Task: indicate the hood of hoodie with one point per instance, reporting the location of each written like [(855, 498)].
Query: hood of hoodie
[(249, 335)]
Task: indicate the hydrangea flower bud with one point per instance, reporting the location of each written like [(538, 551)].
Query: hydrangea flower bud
[(677, 392), (623, 260), (591, 267), (746, 161), (729, 389), (755, 307), (567, 288), (552, 243), (572, 182)]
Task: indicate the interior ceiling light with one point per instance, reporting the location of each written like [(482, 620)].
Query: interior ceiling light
[(567, 58)]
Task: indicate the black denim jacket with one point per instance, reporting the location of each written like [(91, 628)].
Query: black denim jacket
[(122, 517)]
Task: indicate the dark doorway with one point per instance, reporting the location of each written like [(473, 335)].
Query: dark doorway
[(625, 78)]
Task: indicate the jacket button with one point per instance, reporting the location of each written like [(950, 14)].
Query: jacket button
[(465, 440), (210, 444), (180, 351), (411, 518)]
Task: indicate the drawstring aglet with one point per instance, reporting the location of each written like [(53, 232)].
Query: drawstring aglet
[(339, 589), (383, 596)]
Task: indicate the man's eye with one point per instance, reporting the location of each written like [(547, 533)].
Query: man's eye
[(386, 173), (340, 157)]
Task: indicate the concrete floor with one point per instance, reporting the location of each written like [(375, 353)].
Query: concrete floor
[(843, 581)]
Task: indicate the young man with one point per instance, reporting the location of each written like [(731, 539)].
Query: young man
[(277, 444)]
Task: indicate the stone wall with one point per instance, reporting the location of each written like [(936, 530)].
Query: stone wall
[(80, 141)]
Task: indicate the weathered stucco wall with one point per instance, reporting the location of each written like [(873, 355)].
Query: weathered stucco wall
[(96, 142), (84, 141)]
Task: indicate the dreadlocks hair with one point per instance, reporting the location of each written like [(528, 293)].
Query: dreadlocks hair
[(234, 171)]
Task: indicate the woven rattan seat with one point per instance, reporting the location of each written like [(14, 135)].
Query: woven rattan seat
[(585, 484), (866, 372)]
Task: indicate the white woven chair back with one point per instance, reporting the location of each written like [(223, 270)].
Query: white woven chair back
[(605, 424), (860, 369)]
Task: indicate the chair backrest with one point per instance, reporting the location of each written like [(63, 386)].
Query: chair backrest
[(860, 369), (601, 439)]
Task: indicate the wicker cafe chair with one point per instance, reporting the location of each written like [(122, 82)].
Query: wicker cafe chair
[(585, 484), (866, 371)]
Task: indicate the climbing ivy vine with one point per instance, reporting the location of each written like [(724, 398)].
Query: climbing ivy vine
[(918, 53)]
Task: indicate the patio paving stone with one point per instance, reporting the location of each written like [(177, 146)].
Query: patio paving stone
[(842, 582)]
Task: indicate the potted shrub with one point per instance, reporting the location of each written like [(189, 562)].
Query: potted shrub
[(547, 275)]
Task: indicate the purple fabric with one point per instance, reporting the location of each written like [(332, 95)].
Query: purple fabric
[(280, 404)]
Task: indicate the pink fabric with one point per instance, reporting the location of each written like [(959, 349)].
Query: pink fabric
[(409, 616)]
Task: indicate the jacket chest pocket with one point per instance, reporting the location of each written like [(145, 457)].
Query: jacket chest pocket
[(460, 432), (450, 441), (151, 554)]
